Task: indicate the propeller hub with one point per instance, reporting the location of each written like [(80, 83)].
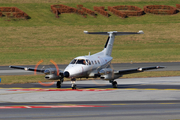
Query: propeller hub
[(66, 74)]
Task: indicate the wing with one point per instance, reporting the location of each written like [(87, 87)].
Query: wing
[(130, 71), (27, 69)]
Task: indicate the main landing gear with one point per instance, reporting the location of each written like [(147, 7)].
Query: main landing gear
[(73, 81), (58, 84), (114, 83)]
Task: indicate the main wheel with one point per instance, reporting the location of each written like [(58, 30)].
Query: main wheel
[(114, 84), (58, 84), (74, 87)]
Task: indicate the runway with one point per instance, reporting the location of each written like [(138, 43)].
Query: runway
[(134, 110), (135, 98)]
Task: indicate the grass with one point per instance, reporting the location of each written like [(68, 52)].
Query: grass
[(45, 37), (25, 42), (28, 45)]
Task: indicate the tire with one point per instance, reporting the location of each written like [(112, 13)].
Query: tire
[(74, 87), (114, 84), (58, 84)]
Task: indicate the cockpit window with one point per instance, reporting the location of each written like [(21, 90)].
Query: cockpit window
[(81, 61), (73, 61)]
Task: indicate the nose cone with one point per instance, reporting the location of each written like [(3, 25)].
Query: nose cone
[(66, 74)]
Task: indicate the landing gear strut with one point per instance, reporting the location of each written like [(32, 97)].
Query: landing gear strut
[(58, 84), (73, 81)]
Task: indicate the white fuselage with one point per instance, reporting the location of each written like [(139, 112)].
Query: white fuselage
[(87, 66)]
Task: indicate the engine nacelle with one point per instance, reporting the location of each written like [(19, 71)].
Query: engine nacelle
[(108, 74), (51, 74), (105, 71), (52, 77)]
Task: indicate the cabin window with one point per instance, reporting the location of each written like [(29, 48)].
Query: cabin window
[(98, 62), (92, 62), (88, 62), (95, 62)]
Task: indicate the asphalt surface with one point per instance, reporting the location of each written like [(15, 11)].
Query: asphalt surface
[(170, 66), (115, 110), (134, 99)]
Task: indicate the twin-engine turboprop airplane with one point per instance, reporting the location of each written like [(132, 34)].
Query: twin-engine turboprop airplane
[(91, 66)]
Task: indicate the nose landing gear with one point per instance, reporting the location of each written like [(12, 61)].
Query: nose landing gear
[(73, 81)]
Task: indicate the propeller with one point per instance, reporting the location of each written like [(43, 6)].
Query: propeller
[(48, 72)]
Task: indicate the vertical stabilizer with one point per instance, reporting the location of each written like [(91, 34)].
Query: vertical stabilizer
[(109, 44), (110, 41)]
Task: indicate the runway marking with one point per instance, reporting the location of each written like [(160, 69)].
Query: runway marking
[(146, 89), (143, 103), (60, 106), (61, 90)]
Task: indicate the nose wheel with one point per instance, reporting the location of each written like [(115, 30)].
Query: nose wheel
[(73, 81), (73, 86)]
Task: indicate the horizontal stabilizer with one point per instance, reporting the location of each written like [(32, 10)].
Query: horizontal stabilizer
[(114, 33)]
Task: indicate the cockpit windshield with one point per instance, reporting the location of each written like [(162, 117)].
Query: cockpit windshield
[(78, 61), (81, 61), (73, 61)]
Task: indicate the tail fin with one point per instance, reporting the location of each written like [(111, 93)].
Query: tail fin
[(110, 41)]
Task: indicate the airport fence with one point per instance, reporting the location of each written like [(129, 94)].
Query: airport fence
[(160, 9)]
